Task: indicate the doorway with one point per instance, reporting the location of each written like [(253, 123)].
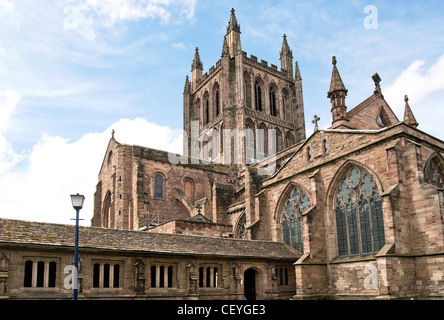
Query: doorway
[(250, 284)]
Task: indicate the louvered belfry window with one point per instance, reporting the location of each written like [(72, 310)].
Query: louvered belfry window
[(296, 204), (359, 218)]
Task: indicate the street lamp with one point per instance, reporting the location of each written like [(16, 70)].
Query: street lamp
[(77, 203)]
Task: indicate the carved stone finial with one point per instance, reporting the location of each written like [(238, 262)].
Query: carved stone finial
[(334, 61), (377, 79), (112, 133)]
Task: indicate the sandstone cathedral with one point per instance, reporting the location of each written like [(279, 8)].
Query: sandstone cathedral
[(253, 208)]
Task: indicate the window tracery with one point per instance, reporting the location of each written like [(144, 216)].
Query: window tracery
[(359, 217), (292, 226)]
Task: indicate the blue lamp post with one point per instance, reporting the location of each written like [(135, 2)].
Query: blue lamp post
[(77, 203)]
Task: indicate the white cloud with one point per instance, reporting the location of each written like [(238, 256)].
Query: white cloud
[(416, 82), (9, 100), (88, 15), (59, 167), (5, 7), (179, 45)]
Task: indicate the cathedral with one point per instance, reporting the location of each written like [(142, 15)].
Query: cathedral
[(253, 208)]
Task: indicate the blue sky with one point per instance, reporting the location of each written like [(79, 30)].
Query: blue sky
[(72, 70)]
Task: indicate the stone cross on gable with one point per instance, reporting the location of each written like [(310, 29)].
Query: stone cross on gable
[(377, 79), (315, 121)]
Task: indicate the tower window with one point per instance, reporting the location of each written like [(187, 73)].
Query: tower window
[(258, 96), (273, 108), (217, 102)]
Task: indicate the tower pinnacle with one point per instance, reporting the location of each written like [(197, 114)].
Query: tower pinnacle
[(233, 36), (337, 94), (409, 118), (286, 57)]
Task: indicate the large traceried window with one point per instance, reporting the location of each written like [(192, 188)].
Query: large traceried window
[(359, 218), (296, 204), (433, 174)]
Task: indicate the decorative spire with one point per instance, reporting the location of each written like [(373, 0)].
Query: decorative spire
[(285, 47), (225, 51), (187, 87), (337, 94), (336, 83), (233, 25), (286, 57), (197, 64), (297, 72), (409, 118)]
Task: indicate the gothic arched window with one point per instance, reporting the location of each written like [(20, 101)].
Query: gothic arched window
[(258, 96), (158, 186), (273, 108), (359, 218), (241, 229), (433, 174), (296, 204), (217, 102)]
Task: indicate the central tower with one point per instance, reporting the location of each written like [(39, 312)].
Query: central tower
[(243, 109)]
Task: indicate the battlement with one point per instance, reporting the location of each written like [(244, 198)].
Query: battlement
[(263, 64)]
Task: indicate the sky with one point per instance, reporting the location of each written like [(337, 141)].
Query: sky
[(73, 70)]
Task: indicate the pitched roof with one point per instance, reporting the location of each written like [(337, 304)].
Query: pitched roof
[(17, 232)]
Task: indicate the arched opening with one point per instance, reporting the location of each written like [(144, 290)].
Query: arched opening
[(106, 213), (216, 97), (258, 98), (189, 189), (358, 213), (289, 140), (247, 86), (249, 140), (433, 171), (206, 108), (158, 186), (196, 111), (261, 142), (250, 287), (273, 101), (286, 109), (278, 140)]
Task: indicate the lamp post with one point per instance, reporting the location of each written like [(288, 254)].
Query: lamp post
[(77, 203)]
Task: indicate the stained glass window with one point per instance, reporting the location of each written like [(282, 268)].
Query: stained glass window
[(433, 174), (359, 218), (296, 204)]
